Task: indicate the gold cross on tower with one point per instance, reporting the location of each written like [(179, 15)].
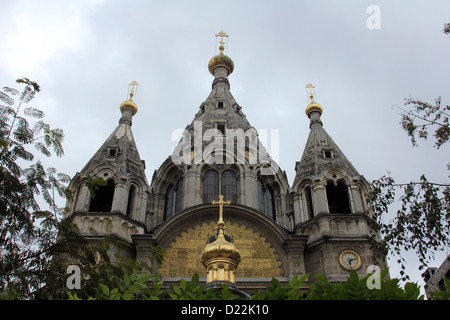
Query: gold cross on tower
[(221, 34), (311, 96), (133, 84), (220, 203)]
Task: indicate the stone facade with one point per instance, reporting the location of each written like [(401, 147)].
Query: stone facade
[(280, 230), (434, 277)]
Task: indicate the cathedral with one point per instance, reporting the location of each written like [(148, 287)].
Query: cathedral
[(221, 207)]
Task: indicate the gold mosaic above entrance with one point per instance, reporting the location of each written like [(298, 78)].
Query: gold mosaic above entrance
[(259, 259)]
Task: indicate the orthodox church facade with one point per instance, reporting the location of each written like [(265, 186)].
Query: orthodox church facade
[(321, 224)]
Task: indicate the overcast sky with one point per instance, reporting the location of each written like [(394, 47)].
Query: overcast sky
[(363, 61)]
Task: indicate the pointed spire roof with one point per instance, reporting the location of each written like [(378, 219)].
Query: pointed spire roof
[(320, 152), (120, 149)]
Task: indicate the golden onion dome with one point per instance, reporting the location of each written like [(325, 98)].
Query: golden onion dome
[(221, 60), (220, 246), (313, 106), (129, 104)]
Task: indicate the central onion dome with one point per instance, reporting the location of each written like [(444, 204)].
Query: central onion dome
[(221, 60), (220, 256)]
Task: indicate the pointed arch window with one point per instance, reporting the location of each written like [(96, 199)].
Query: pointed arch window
[(103, 199), (174, 199), (168, 207), (131, 200), (225, 184), (309, 202), (337, 196), (270, 203), (266, 200), (261, 202), (179, 196)]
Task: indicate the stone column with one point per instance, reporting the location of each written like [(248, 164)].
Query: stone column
[(120, 200)]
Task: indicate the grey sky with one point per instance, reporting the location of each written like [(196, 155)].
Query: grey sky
[(84, 54)]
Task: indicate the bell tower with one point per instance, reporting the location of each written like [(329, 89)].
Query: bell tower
[(120, 206), (330, 206)]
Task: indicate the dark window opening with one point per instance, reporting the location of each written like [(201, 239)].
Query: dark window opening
[(220, 104), (168, 207), (229, 187), (270, 203), (210, 187), (261, 205), (309, 202), (102, 201), (112, 152), (337, 196), (328, 154), (179, 196), (266, 200), (221, 128), (131, 199)]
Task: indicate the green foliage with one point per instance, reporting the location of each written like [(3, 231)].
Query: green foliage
[(150, 287), (425, 117), (444, 294), (93, 184), (295, 290), (133, 287), (28, 233), (422, 222)]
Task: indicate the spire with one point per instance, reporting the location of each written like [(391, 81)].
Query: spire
[(120, 148), (320, 152), (220, 256)]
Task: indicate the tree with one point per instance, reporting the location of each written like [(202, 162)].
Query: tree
[(422, 222), (27, 232)]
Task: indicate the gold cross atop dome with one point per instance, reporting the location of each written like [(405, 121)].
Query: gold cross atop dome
[(220, 203), (313, 106), (221, 59), (132, 84), (222, 34), (129, 104), (311, 96)]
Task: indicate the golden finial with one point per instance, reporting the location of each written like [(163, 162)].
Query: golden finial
[(132, 84), (129, 104), (220, 256), (311, 95), (222, 34), (220, 203), (313, 106)]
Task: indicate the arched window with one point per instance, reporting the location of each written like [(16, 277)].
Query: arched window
[(337, 196), (261, 203), (131, 198), (266, 200), (174, 199), (168, 206), (179, 196), (309, 202), (213, 185), (102, 201), (229, 188), (270, 204), (210, 187)]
